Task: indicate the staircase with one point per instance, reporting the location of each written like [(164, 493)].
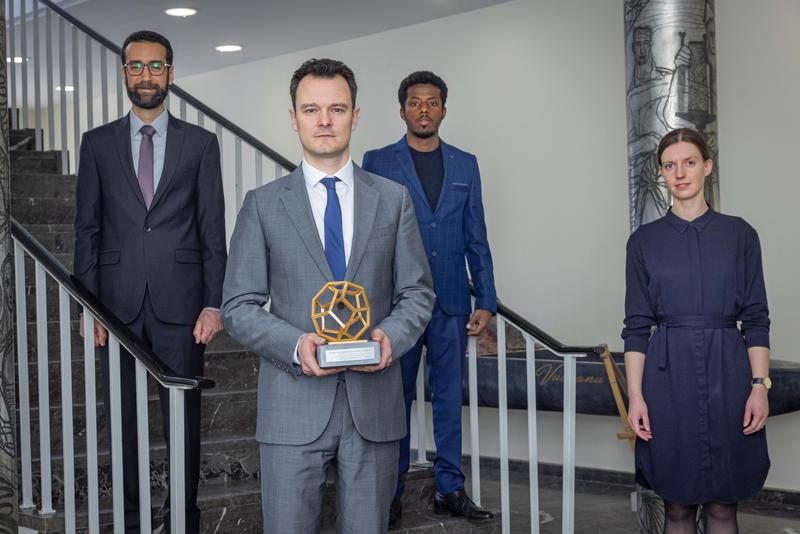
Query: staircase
[(42, 199)]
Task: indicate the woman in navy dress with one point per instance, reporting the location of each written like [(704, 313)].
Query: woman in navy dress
[(698, 384)]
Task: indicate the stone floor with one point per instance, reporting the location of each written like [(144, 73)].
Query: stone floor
[(606, 508)]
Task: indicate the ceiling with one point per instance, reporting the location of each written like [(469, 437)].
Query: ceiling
[(264, 28)]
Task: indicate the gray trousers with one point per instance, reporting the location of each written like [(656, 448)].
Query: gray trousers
[(293, 479)]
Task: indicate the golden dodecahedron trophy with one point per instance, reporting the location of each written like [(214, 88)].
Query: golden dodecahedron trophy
[(340, 312)]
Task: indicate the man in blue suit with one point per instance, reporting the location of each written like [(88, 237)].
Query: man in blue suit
[(445, 187)]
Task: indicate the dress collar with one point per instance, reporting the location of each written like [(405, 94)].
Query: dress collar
[(699, 223)]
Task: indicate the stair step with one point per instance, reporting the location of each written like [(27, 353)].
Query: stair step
[(44, 186), (22, 139), (235, 506), (40, 210), (45, 161)]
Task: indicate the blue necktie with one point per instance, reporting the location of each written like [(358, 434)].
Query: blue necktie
[(334, 237)]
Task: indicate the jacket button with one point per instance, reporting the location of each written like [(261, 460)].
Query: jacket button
[(147, 228), (433, 225), (434, 253)]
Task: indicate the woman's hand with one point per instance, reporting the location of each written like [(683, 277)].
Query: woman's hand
[(756, 410), (638, 418)]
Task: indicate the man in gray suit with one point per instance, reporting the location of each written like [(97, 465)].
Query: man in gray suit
[(328, 220)]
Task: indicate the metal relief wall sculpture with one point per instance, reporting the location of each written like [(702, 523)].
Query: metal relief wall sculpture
[(670, 63), (8, 454)]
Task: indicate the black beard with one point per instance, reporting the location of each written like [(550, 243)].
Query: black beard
[(424, 134), (148, 102)]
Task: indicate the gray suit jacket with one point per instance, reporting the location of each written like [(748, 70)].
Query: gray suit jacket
[(276, 256)]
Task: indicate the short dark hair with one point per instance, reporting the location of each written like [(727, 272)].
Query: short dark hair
[(419, 77), (686, 135), (323, 68), (146, 36)]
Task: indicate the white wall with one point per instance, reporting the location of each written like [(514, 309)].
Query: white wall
[(538, 93)]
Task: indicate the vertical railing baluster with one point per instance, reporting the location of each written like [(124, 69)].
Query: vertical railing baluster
[(66, 408), (259, 168), (221, 146), (201, 119), (51, 115), (143, 436), (76, 101), (12, 67), (22, 369), (177, 480), (422, 430), (278, 170), (104, 83), (62, 78), (533, 444), (119, 92), (568, 474), (92, 489), (23, 35), (118, 496), (44, 391), (474, 432), (89, 85), (502, 403), (239, 185), (37, 97), (182, 108)]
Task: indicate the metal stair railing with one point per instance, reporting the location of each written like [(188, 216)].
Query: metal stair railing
[(27, 249), (532, 335), (88, 66)]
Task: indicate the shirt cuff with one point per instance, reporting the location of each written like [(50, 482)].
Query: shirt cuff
[(212, 309), (295, 359)]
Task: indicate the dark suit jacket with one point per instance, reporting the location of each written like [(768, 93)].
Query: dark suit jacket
[(451, 230), (176, 248)]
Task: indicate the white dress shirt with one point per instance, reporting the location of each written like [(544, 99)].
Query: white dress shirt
[(318, 196)]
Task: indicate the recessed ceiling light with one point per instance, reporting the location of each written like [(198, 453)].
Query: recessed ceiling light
[(229, 48), (67, 88), (181, 12), (17, 59)]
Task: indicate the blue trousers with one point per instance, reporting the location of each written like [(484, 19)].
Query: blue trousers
[(446, 341)]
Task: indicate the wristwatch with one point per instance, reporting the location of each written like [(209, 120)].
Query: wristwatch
[(764, 381)]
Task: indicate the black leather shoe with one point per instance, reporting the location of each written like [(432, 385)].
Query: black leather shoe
[(459, 504), (395, 511)]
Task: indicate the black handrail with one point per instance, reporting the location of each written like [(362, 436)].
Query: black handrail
[(540, 335), (194, 102), (128, 339)]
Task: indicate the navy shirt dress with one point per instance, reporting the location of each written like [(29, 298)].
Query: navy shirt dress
[(688, 286)]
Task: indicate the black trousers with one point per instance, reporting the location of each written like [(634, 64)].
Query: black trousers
[(175, 345)]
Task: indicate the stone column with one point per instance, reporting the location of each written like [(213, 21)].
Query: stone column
[(670, 60), (8, 451)]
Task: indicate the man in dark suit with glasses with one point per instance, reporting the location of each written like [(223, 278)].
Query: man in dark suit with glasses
[(150, 243)]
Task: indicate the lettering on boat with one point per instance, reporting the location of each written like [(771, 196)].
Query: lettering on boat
[(554, 372)]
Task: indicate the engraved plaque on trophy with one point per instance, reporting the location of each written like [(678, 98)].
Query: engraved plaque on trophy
[(341, 314)]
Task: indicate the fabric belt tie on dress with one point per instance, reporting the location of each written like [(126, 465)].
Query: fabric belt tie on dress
[(685, 321)]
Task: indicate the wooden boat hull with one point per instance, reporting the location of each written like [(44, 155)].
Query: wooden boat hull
[(594, 394)]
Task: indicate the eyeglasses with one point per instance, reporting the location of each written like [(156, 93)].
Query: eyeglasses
[(156, 68)]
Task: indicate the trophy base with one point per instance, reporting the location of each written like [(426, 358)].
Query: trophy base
[(349, 354)]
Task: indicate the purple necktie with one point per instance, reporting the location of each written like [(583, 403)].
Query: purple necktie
[(146, 163)]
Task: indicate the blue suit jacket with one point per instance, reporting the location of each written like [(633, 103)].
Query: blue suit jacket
[(455, 229)]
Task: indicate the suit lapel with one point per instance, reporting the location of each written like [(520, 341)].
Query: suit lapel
[(122, 135), (172, 153), (407, 164), (448, 160), (295, 201), (365, 204)]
